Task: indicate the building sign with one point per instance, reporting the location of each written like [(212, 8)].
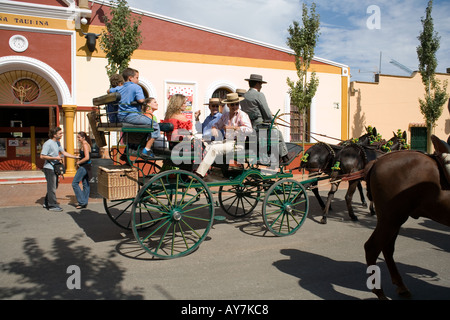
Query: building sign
[(35, 22)]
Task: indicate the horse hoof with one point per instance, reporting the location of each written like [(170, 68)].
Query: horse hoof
[(354, 218), (380, 294), (323, 221), (404, 292)]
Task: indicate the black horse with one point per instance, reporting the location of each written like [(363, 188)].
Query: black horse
[(349, 166), (322, 156), (319, 159)]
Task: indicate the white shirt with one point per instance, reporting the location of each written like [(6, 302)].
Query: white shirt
[(240, 120)]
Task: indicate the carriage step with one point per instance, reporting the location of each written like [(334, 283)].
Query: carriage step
[(220, 218)]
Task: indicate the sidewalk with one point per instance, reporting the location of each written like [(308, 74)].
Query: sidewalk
[(33, 194)]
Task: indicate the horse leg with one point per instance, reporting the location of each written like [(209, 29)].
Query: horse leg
[(383, 240), (373, 248), (372, 208), (317, 195), (334, 188), (349, 196), (388, 253), (361, 194)]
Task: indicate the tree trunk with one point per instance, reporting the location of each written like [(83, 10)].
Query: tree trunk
[(429, 143)]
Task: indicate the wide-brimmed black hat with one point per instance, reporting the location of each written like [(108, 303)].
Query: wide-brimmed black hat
[(256, 77)]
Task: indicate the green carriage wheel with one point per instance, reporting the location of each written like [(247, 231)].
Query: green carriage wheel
[(285, 207), (183, 209), (119, 211), (241, 199)]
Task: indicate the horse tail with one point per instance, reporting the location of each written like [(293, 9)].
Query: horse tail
[(367, 173)]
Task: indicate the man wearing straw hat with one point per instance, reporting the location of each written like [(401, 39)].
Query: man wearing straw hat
[(235, 122), (214, 116), (255, 105)]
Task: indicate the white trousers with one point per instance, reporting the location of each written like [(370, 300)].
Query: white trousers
[(214, 149)]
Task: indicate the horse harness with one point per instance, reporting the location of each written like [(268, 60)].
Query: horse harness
[(330, 157)]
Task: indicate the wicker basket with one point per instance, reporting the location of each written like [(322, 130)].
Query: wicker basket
[(117, 182)]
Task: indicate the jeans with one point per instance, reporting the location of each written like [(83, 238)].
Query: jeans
[(82, 195), (52, 184), (140, 119)]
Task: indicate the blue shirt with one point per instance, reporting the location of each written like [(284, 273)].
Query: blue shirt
[(53, 149), (207, 125), (129, 92)]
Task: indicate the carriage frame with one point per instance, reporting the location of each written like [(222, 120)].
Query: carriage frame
[(174, 209)]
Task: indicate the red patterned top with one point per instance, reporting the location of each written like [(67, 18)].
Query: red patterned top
[(180, 129)]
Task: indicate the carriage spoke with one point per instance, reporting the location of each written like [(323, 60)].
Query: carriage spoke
[(291, 208), (182, 223)]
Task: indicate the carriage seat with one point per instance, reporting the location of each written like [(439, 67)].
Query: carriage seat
[(442, 151)]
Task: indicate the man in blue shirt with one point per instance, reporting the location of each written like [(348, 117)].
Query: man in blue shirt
[(51, 153), (210, 120), (131, 113)]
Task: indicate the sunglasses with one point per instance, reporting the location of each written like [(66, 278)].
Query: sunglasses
[(234, 104)]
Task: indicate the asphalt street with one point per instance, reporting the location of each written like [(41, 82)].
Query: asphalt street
[(239, 260)]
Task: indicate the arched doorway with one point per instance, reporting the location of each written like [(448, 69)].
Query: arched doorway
[(29, 107), (221, 93)]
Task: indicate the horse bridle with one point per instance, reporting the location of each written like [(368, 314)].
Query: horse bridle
[(331, 155)]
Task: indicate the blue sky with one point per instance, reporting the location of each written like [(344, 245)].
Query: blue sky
[(349, 33)]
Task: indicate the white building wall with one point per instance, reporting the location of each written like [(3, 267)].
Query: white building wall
[(92, 81)]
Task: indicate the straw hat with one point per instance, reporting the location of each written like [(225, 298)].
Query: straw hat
[(256, 77), (241, 92), (232, 98), (213, 101)]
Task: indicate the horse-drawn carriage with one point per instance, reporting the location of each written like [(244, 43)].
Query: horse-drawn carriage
[(170, 209)]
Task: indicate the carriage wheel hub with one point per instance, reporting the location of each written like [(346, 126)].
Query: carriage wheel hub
[(288, 208), (176, 215)]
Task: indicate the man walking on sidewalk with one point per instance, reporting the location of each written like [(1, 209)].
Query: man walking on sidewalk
[(51, 153)]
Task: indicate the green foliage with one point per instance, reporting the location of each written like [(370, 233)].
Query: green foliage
[(429, 45), (121, 37), (433, 104), (302, 40), (435, 96)]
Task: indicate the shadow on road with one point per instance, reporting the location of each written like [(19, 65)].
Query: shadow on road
[(44, 275)]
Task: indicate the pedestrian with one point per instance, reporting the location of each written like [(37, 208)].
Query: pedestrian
[(51, 153), (83, 174)]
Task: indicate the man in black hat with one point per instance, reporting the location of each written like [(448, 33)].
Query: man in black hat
[(255, 105)]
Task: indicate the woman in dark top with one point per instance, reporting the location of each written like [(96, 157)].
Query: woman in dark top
[(83, 172)]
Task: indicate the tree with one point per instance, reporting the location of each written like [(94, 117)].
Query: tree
[(121, 37), (435, 95), (302, 40)]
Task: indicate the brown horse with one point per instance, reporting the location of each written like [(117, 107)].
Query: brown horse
[(403, 184)]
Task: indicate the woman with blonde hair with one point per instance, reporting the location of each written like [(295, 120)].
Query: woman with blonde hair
[(182, 128), (174, 114)]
